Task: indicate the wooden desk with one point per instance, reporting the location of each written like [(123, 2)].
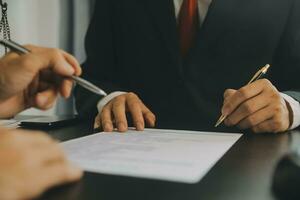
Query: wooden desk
[(245, 172)]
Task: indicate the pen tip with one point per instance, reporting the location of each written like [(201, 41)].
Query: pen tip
[(221, 119), (217, 124)]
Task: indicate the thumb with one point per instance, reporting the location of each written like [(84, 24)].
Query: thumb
[(36, 62), (62, 67), (54, 60), (229, 92)]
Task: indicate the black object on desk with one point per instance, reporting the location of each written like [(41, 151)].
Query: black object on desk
[(49, 122), (286, 182)]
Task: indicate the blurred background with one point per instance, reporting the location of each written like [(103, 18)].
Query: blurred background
[(56, 23)]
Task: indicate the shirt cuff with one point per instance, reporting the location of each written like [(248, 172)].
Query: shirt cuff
[(104, 101), (295, 106)]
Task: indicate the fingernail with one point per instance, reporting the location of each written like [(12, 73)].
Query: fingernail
[(108, 127), (122, 127), (139, 126), (69, 69)]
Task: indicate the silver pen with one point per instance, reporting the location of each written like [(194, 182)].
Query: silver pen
[(13, 46)]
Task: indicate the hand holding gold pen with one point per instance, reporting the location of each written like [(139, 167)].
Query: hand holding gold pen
[(256, 77)]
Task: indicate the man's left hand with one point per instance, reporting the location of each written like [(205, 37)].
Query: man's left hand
[(257, 106)]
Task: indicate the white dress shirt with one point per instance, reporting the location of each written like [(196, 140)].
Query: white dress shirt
[(203, 6)]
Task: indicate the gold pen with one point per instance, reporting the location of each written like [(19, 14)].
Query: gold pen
[(257, 76)]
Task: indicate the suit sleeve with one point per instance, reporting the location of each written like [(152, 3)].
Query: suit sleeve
[(99, 67), (286, 63)]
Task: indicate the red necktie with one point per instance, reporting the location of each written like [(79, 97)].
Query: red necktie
[(188, 24)]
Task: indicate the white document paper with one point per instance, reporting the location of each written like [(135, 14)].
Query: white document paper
[(180, 156)]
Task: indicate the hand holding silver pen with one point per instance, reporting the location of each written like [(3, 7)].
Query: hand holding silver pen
[(84, 83), (35, 79)]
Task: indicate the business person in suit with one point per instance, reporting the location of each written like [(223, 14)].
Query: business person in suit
[(179, 57), (31, 162)]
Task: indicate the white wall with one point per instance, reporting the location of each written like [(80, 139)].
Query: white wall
[(35, 22)]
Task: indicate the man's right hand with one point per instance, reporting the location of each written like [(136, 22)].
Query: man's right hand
[(113, 115), (35, 79), (31, 163)]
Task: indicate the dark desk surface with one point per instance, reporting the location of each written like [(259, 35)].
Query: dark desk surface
[(245, 172)]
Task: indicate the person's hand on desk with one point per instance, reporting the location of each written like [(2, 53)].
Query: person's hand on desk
[(31, 162), (35, 79), (113, 114), (258, 106)]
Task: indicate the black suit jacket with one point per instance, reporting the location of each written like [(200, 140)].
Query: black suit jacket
[(133, 46)]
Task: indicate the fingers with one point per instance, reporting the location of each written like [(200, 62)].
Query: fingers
[(119, 111), (30, 138), (149, 117), (62, 64), (59, 173), (114, 113), (256, 118), (58, 60), (42, 65), (278, 123), (73, 61), (135, 108), (228, 93), (59, 64), (31, 163), (97, 123), (66, 88), (244, 94), (49, 58), (106, 118), (50, 158), (51, 175), (54, 153), (258, 106), (50, 79), (35, 138), (246, 109), (44, 154), (46, 99), (265, 127)]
